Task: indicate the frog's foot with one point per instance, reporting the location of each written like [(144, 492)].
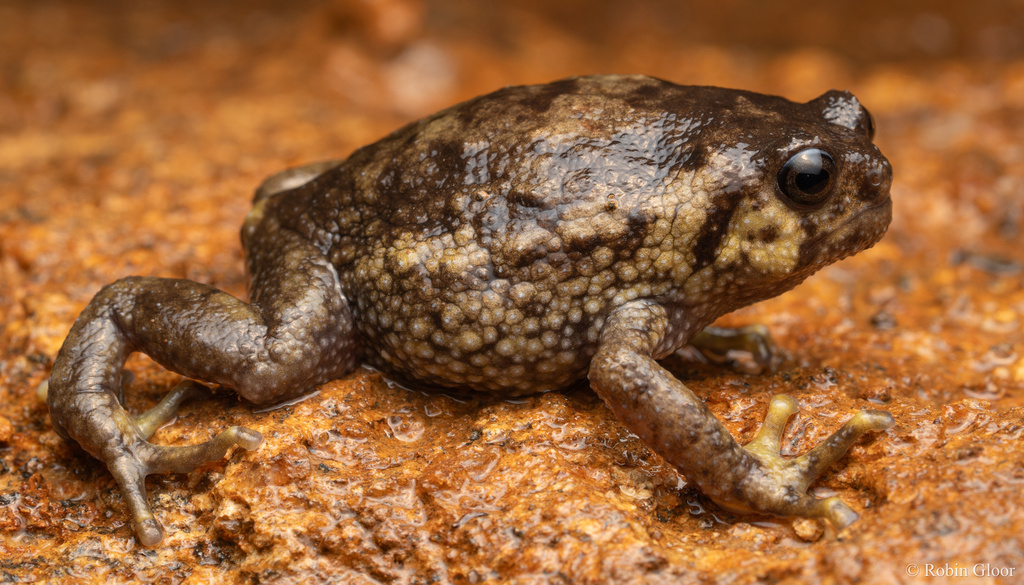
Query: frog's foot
[(134, 457), (781, 488), (749, 349)]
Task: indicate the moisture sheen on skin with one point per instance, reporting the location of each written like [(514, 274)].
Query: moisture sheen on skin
[(514, 243)]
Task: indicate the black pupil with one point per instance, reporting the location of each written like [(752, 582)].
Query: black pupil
[(807, 176), (812, 181)]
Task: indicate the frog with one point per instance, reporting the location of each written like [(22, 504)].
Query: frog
[(516, 243)]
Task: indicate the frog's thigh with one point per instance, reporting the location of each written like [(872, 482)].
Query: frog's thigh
[(297, 332), (293, 177), (680, 428), (304, 333)]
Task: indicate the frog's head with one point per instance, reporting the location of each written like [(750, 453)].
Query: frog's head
[(804, 186), (838, 184)]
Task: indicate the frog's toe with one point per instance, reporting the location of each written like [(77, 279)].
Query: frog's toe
[(769, 439), (130, 474), (149, 421), (131, 465), (813, 463), (124, 447), (161, 459), (835, 511), (749, 349), (782, 488)]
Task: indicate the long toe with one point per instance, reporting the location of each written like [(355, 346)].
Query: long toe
[(769, 438), (149, 421), (836, 512), (130, 475), (161, 459), (817, 460), (782, 487)]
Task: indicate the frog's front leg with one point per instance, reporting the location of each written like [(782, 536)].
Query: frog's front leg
[(297, 332), (680, 427)]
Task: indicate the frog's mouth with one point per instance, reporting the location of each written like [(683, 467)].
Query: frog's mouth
[(856, 233)]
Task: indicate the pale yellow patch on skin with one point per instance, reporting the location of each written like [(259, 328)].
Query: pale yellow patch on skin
[(695, 200), (698, 286), (745, 236)]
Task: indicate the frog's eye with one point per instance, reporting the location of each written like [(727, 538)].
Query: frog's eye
[(869, 124), (807, 177)]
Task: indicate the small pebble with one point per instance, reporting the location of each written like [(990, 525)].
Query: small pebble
[(6, 429), (808, 529)]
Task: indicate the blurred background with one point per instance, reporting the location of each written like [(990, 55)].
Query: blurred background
[(133, 133), (412, 56)]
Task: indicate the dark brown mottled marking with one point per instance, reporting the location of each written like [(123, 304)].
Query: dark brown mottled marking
[(540, 100), (768, 234), (705, 248)]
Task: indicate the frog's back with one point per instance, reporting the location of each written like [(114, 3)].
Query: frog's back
[(485, 245), (481, 239)]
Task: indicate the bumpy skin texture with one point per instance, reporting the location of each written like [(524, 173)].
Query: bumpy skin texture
[(514, 243)]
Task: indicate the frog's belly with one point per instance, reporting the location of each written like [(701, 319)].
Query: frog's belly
[(507, 365), (440, 318)]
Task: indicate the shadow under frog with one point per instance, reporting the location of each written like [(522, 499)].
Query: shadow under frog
[(514, 244)]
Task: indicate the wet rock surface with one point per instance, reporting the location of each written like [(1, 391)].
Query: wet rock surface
[(130, 143)]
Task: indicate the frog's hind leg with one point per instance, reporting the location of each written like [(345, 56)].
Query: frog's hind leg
[(292, 178), (297, 332)]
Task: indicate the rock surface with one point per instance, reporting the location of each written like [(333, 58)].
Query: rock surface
[(130, 142)]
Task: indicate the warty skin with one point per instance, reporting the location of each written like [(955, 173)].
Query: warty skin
[(513, 244)]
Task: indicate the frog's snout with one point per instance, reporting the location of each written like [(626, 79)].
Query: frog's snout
[(877, 181)]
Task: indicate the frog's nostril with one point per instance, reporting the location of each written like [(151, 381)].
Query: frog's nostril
[(886, 175), (876, 177), (877, 182)]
